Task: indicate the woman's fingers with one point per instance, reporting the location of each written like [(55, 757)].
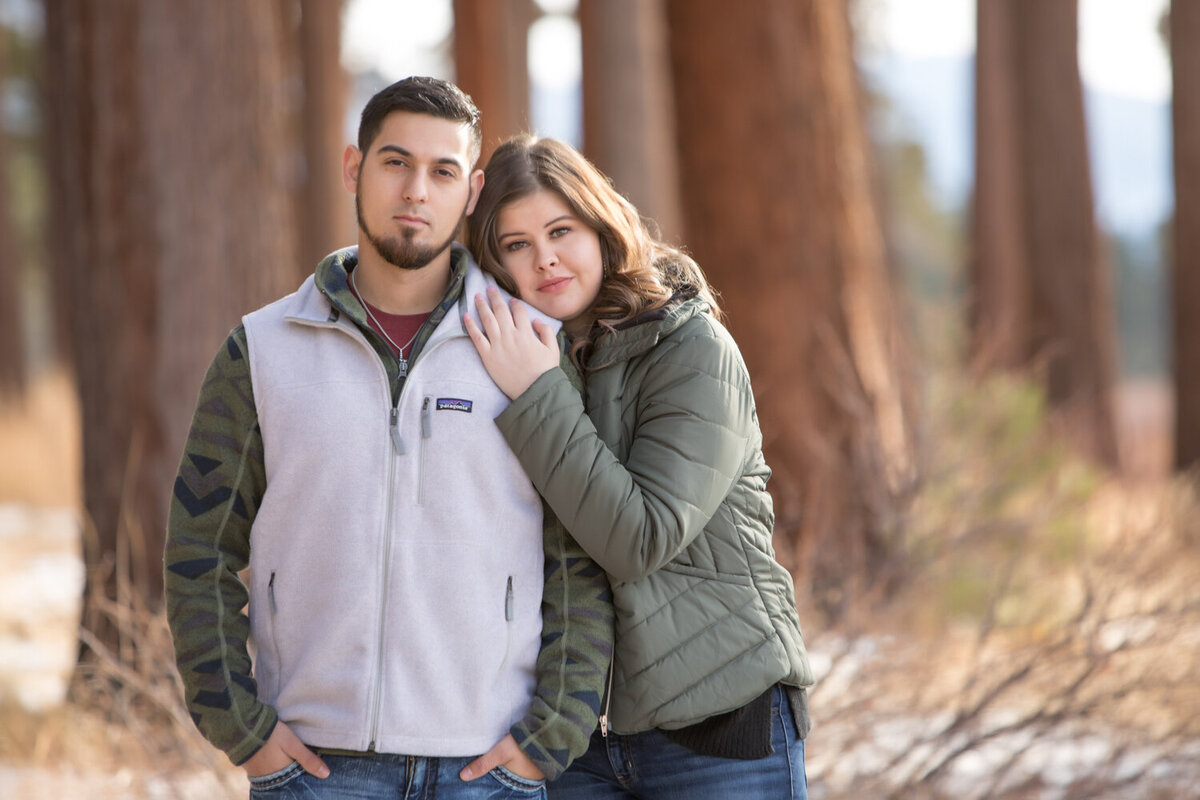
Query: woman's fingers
[(491, 327), (477, 336), (499, 308), (546, 334)]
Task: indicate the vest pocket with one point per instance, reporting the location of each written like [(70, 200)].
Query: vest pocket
[(426, 434), (274, 608)]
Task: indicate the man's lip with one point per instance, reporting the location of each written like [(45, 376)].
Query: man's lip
[(553, 284), (411, 220)]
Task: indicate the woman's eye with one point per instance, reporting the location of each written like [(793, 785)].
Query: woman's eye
[(513, 246), (559, 232)]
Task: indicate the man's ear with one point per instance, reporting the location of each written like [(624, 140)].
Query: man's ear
[(351, 161), (476, 188)]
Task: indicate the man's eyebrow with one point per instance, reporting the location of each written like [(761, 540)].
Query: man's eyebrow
[(398, 150)]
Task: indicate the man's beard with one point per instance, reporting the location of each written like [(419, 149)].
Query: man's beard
[(400, 251)]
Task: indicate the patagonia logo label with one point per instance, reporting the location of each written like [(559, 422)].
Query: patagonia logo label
[(453, 404)]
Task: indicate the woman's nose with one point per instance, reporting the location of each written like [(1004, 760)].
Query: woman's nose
[(547, 258)]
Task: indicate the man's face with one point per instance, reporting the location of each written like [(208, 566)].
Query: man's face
[(413, 187)]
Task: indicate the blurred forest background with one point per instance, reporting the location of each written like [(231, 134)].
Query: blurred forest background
[(964, 279)]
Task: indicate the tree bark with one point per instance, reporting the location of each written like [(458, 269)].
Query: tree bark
[(328, 216), (173, 154), (999, 307), (1072, 317), (1185, 276), (12, 354), (780, 211), (1041, 291), (628, 108), (491, 60)]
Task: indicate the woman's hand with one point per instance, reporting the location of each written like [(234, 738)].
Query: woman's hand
[(505, 753), (514, 350)]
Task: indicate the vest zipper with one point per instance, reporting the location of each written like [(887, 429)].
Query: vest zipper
[(385, 569), (394, 429)]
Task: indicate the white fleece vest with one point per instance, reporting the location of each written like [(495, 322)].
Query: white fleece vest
[(395, 599)]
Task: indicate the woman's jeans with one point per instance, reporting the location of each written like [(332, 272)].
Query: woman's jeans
[(369, 777), (649, 766)]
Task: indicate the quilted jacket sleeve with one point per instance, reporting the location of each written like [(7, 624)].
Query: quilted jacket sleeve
[(692, 425)]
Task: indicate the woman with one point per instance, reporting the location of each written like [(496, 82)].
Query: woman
[(657, 471)]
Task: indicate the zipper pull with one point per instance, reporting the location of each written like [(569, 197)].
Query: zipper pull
[(508, 601), (607, 700), (394, 429), (426, 420)]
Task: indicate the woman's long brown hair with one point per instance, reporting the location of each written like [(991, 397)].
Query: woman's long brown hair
[(641, 274)]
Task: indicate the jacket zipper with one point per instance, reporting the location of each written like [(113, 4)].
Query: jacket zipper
[(607, 701)]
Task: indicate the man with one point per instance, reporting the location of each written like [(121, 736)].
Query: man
[(412, 603)]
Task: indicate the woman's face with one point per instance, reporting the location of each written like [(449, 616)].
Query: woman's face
[(552, 256)]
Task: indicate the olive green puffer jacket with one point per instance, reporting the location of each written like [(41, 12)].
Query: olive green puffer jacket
[(662, 480)]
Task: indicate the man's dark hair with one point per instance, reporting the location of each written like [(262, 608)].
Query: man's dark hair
[(420, 95)]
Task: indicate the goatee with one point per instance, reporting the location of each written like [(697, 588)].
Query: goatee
[(401, 251)]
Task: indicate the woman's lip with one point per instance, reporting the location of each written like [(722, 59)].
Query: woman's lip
[(553, 285)]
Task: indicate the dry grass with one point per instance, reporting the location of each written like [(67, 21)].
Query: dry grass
[(1042, 645), (123, 732), (1044, 642), (40, 446)]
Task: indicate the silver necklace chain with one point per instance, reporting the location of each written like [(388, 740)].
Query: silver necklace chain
[(399, 350)]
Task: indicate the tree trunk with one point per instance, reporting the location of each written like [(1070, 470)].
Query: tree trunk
[(1042, 294), (1072, 318), (628, 108), (1185, 279), (780, 211), (491, 60), (173, 157), (12, 354), (1000, 285), (328, 216)]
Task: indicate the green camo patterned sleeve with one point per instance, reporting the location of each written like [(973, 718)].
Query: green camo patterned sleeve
[(572, 667), (215, 498), (577, 645)]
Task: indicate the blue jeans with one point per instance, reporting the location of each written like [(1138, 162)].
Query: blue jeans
[(371, 777), (649, 766)]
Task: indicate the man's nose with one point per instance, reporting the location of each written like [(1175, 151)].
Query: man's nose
[(416, 188)]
